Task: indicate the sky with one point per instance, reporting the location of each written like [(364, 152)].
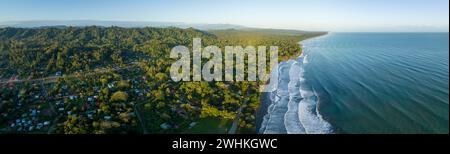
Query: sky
[(326, 15)]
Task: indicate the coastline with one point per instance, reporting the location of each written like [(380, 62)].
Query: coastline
[(265, 96)]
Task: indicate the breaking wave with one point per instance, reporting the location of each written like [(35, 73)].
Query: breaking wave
[(293, 105)]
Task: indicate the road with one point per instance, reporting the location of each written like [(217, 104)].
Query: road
[(235, 125), (52, 79), (136, 111)]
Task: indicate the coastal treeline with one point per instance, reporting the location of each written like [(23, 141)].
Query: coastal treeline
[(117, 80)]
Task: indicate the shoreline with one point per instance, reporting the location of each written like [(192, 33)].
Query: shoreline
[(264, 98)]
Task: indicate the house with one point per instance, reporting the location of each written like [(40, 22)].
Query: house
[(89, 116), (110, 85), (58, 73), (72, 97), (165, 126), (107, 117), (192, 124), (195, 108), (33, 112), (182, 113)]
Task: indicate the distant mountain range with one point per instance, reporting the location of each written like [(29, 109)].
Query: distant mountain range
[(129, 24)]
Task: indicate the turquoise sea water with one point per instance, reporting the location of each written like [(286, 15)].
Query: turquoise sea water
[(380, 82)]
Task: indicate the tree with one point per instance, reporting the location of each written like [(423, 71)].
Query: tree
[(77, 50), (123, 85), (119, 96)]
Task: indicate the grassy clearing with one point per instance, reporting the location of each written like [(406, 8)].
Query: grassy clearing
[(211, 126)]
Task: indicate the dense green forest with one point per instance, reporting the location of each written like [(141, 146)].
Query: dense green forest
[(116, 80)]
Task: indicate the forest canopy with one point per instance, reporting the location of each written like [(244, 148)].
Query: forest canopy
[(117, 80)]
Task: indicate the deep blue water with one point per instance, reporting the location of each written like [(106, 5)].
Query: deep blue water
[(380, 82)]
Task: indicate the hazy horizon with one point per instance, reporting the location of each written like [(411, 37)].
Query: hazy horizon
[(325, 15)]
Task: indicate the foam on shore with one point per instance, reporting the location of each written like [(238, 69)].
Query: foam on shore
[(293, 108)]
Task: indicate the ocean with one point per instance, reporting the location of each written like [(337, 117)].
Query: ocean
[(376, 83)]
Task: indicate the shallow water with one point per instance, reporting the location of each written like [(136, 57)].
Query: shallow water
[(364, 83)]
